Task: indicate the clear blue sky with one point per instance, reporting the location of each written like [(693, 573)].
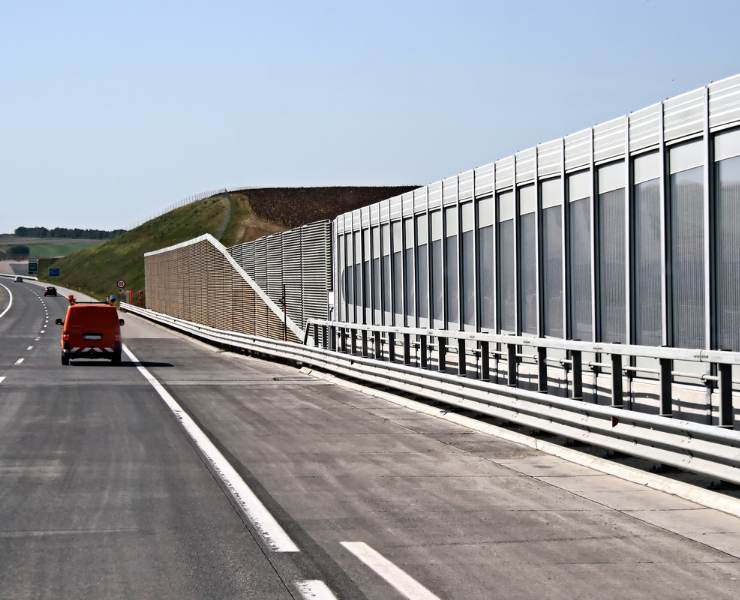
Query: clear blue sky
[(111, 111)]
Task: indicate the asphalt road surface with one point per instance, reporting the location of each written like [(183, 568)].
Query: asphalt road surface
[(107, 491)]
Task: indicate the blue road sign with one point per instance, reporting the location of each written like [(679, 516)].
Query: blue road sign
[(54, 271)]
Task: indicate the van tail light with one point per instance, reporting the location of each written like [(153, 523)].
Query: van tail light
[(116, 338), (65, 337)]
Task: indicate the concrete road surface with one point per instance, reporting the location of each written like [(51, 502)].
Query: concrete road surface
[(105, 494)]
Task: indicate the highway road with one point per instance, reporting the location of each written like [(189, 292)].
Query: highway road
[(195, 473)]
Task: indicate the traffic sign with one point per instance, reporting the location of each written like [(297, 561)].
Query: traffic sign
[(120, 284), (54, 271)]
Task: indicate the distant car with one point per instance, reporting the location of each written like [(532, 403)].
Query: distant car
[(19, 279), (50, 290), (91, 330)]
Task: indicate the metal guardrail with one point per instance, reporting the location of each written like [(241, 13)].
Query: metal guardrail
[(508, 348), (13, 275), (705, 449)]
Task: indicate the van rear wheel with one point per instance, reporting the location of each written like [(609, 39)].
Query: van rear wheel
[(65, 359), (116, 360)]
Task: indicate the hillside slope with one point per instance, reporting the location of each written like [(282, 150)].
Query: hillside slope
[(231, 217)]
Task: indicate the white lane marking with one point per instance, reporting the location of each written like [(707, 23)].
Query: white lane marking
[(406, 585), (267, 526), (314, 589), (2, 379), (36, 339), (29, 348), (18, 362), (10, 302)]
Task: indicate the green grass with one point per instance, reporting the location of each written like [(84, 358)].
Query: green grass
[(47, 247), (94, 271)]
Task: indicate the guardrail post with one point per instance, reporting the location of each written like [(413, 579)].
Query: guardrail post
[(577, 365), (666, 382), (406, 349), (441, 353), (325, 341), (512, 379), (377, 346), (542, 370), (352, 341), (726, 410), (391, 346), (332, 338), (617, 395), (485, 371), (316, 334), (363, 337), (343, 340), (423, 352), (461, 362)]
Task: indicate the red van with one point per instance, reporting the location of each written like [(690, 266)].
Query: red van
[(91, 330)]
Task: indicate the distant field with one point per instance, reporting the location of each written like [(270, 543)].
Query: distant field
[(47, 247)]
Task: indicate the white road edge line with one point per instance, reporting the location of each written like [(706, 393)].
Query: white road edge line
[(272, 533), (18, 362), (10, 301), (314, 589), (406, 585)]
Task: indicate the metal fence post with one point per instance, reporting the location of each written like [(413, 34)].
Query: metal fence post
[(666, 380), (577, 365), (617, 395), (363, 337), (726, 410), (485, 374), (324, 341), (406, 349), (542, 370), (391, 346), (315, 334), (441, 353), (332, 337), (377, 346), (461, 358), (512, 379), (423, 352), (343, 340), (352, 341)]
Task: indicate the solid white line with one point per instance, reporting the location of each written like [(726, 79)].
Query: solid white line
[(406, 585), (314, 589), (19, 361), (10, 302), (267, 526)]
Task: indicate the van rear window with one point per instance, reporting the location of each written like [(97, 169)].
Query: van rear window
[(93, 318)]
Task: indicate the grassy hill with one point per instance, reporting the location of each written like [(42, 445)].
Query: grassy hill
[(231, 217), (46, 247)]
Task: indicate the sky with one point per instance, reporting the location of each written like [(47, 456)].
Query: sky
[(111, 111)]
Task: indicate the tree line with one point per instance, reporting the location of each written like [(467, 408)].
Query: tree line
[(66, 232)]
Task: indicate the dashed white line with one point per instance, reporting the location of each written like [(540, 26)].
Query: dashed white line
[(18, 362), (406, 585), (2, 379), (314, 589), (272, 533), (29, 348), (36, 339)]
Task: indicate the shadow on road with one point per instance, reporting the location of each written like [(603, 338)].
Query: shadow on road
[(123, 363)]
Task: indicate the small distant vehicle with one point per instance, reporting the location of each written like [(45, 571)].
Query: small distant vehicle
[(19, 279), (91, 330), (50, 290)]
